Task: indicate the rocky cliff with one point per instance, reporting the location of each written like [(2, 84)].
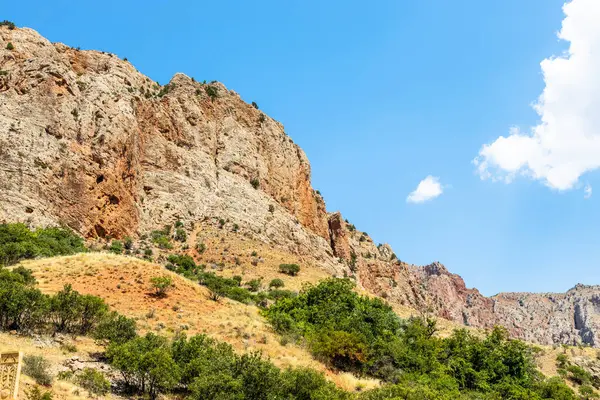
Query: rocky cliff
[(89, 142)]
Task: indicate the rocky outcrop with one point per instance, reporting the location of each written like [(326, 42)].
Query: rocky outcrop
[(89, 142)]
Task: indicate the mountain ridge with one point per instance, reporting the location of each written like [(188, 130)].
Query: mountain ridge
[(88, 141)]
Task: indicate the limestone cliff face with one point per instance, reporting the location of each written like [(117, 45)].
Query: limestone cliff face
[(89, 142)]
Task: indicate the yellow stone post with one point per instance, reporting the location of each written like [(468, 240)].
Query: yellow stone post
[(10, 372)]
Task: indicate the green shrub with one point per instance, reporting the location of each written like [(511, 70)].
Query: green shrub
[(255, 105), (578, 375), (128, 244), (276, 283), (38, 368), (161, 284), (115, 328), (186, 262), (165, 89), (161, 239), (116, 247), (255, 183), (254, 285), (289, 269), (180, 235), (10, 46), (211, 91), (588, 392), (17, 242), (146, 364), (275, 294), (93, 381), (200, 248), (25, 309), (271, 208), (10, 24), (342, 350), (36, 394)]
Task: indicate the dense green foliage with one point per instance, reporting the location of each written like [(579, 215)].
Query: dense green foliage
[(363, 335), (209, 370), (17, 243), (25, 309)]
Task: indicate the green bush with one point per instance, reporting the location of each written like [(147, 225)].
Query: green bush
[(116, 247), (10, 46), (128, 244), (161, 239), (276, 283), (161, 285), (17, 242), (255, 105), (115, 328), (255, 183), (289, 269), (165, 89), (180, 235), (588, 392), (211, 91), (25, 309), (38, 368), (146, 364), (185, 262), (10, 24), (254, 285), (71, 312), (578, 375), (93, 381), (225, 287), (36, 394)]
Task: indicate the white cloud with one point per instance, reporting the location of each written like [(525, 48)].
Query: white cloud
[(428, 189), (566, 142), (587, 191)]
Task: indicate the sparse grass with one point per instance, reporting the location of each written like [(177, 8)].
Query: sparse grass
[(198, 312)]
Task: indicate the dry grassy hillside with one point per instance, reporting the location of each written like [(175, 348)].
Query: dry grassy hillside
[(124, 282), (232, 253)]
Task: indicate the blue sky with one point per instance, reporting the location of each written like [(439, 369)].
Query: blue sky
[(381, 95)]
